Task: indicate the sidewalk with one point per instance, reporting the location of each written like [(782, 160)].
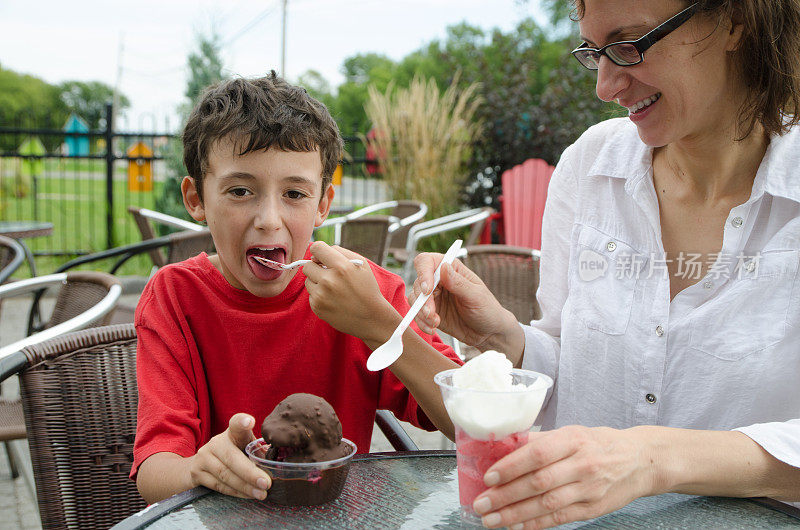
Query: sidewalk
[(18, 508)]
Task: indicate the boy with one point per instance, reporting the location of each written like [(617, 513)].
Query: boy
[(223, 339)]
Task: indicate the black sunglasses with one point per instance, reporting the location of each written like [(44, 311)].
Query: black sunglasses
[(629, 53)]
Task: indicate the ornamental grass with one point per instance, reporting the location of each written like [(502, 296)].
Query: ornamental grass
[(423, 140)]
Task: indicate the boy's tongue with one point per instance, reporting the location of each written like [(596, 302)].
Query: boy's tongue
[(262, 272)]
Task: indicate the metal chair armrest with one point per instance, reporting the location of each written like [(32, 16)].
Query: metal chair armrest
[(98, 311), (414, 217), (125, 252), (371, 209), (394, 432), (16, 261), (438, 226), (11, 364), (170, 220)]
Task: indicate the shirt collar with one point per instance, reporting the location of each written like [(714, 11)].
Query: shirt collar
[(777, 174), (625, 156)]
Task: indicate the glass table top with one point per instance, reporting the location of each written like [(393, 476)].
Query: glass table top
[(420, 490)]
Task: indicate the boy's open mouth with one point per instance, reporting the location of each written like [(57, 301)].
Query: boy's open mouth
[(261, 271)]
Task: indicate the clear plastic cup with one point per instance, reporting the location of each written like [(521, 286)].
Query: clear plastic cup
[(489, 425), (302, 483)]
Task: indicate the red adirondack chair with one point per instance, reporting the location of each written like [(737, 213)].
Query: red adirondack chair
[(522, 202)]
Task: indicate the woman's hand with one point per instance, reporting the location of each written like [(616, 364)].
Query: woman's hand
[(463, 307), (347, 296), (569, 474)]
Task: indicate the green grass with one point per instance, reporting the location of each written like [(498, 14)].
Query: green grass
[(77, 208)]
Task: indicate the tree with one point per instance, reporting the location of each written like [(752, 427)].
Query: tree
[(28, 101), (88, 99), (319, 88), (205, 68), (536, 100), (360, 72)]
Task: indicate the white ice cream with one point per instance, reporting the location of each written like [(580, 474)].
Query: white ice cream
[(485, 402)]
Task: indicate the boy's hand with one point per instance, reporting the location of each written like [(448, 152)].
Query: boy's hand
[(347, 296), (222, 465)]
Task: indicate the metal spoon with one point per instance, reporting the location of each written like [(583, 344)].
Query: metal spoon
[(286, 266), (390, 351)]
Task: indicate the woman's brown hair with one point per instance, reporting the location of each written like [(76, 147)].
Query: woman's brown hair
[(768, 58)]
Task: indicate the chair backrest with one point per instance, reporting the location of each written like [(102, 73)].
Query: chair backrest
[(187, 244), (368, 236), (511, 274), (83, 299), (145, 220), (147, 232), (410, 213), (523, 199), (80, 398), (475, 219), (81, 291), (11, 257)]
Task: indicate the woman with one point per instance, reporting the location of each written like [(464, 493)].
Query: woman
[(669, 274)]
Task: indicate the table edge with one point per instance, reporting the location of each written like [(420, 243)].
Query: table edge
[(778, 506)]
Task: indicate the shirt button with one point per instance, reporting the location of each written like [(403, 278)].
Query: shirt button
[(650, 398), (750, 267), (659, 331), (708, 284), (737, 222), (611, 246)]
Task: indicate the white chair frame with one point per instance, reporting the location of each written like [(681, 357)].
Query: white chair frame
[(99, 310)]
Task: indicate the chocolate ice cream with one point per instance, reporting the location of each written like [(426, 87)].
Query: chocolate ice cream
[(303, 428)]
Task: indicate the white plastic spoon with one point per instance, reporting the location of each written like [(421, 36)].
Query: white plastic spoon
[(390, 351)]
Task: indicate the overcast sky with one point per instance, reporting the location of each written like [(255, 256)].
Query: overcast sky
[(80, 39)]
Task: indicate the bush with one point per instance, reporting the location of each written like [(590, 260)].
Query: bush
[(424, 140)]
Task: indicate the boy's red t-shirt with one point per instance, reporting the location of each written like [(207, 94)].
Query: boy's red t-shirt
[(207, 351)]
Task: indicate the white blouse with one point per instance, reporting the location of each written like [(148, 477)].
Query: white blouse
[(723, 354)]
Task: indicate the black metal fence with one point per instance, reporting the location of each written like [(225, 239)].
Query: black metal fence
[(73, 180)]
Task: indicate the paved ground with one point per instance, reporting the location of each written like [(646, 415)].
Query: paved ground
[(18, 507)]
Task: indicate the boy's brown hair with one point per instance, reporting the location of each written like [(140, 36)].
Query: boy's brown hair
[(258, 114)]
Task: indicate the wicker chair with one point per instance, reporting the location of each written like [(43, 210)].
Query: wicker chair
[(179, 246), (11, 425), (410, 213), (11, 257), (84, 299), (475, 218), (145, 220), (368, 236), (511, 274), (376, 236), (80, 398)]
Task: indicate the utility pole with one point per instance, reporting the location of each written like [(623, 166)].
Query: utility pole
[(283, 42)]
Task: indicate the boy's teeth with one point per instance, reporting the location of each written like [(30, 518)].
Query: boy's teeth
[(644, 103)]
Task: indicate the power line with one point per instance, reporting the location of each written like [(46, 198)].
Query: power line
[(250, 25)]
